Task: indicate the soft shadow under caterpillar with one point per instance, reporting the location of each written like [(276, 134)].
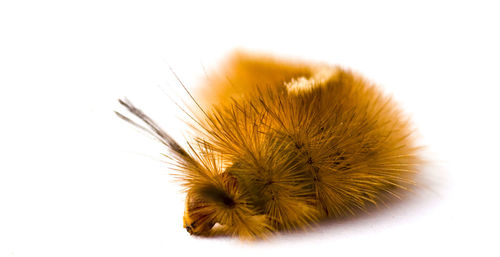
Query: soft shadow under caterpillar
[(281, 145)]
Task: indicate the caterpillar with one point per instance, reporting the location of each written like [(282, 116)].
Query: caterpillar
[(281, 145)]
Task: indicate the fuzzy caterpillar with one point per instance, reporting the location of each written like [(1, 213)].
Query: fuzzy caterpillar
[(282, 145)]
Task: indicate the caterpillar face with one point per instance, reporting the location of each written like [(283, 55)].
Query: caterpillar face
[(282, 145), (202, 204), (197, 222)]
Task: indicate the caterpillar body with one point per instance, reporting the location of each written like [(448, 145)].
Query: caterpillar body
[(281, 145)]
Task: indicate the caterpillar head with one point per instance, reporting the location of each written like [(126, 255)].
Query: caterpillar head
[(196, 221), (221, 208), (203, 206)]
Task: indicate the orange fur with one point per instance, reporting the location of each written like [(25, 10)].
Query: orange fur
[(282, 145)]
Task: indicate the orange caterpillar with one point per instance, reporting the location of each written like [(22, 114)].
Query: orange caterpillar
[(281, 145)]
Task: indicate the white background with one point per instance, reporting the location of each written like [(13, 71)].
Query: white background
[(77, 181)]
